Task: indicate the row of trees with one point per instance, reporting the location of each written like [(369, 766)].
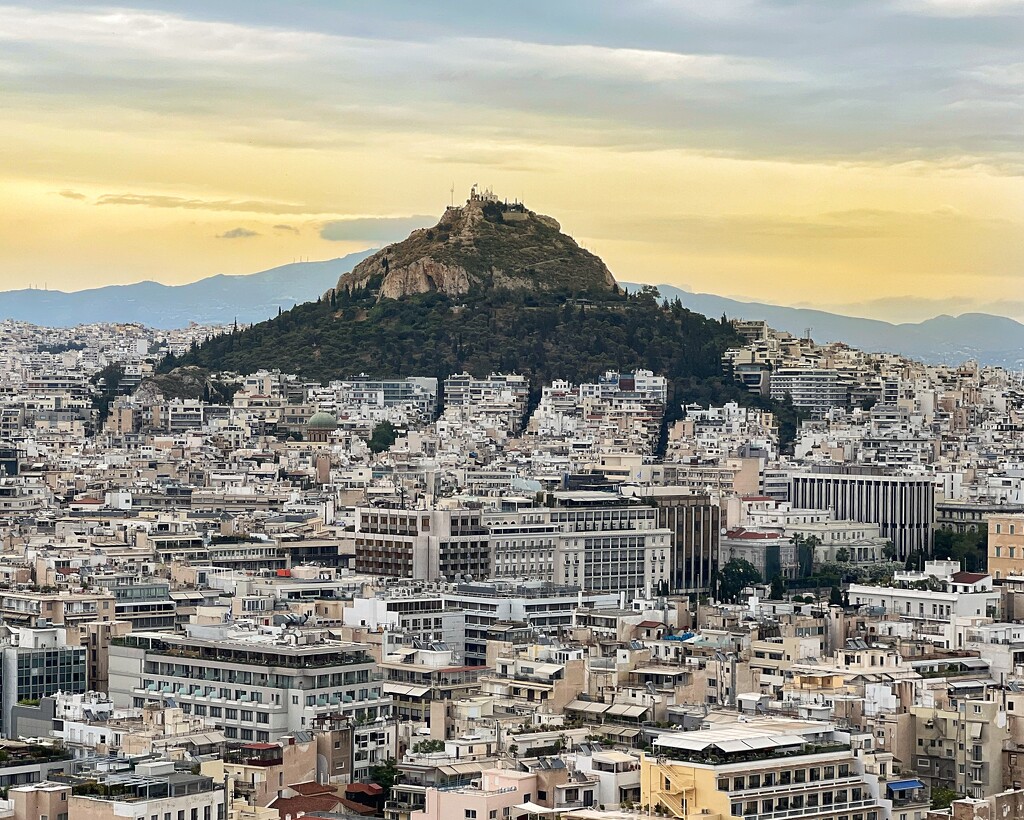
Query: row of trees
[(737, 574)]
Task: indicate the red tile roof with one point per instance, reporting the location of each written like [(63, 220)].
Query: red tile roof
[(297, 806), (312, 788), (368, 788), (357, 808), (969, 577)]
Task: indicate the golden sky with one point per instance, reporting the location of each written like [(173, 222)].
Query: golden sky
[(860, 156)]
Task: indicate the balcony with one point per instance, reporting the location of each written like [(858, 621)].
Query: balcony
[(791, 788), (809, 811)]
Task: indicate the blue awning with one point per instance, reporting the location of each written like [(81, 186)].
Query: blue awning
[(904, 785)]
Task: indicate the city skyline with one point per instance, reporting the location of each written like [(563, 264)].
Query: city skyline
[(861, 158)]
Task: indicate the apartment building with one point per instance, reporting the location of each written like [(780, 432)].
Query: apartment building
[(150, 789), (35, 666), (523, 540), (609, 544), (543, 608), (1006, 545), (427, 545), (959, 594), (255, 685), (959, 746), (815, 389), (761, 768), (408, 615)]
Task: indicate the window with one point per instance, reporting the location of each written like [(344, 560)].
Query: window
[(470, 814)]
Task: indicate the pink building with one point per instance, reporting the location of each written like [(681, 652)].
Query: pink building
[(499, 791)]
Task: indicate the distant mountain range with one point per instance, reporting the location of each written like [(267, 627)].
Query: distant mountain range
[(217, 299), (989, 339), (255, 297)]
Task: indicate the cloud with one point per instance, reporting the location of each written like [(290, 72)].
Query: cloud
[(69, 194), (237, 233), (378, 229), (286, 228), (963, 8), (159, 34), (240, 206), (830, 81)]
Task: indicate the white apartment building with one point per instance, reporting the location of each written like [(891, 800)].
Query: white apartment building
[(254, 684)]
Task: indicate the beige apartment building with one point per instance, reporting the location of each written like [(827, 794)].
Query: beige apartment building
[(1006, 545)]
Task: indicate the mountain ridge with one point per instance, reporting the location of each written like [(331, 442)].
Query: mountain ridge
[(218, 299), (991, 339), (249, 298)]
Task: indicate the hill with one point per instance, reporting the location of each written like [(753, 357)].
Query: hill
[(215, 300), (994, 340), (494, 308)]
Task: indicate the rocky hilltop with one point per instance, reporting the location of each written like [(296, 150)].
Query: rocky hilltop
[(485, 243)]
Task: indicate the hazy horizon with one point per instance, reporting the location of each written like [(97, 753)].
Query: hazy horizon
[(896, 310), (862, 154)]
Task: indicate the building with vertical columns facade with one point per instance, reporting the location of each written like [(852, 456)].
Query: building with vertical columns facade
[(902, 506)]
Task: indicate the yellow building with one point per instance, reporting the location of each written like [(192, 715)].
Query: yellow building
[(1006, 545), (764, 767)]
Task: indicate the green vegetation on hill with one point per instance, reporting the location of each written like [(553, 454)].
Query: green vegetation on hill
[(545, 336), (491, 288)]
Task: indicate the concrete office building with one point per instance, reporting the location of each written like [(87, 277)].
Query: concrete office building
[(902, 506)]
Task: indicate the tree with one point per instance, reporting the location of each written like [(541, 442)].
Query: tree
[(942, 797), (778, 590), (969, 548), (383, 436), (842, 555), (385, 775), (734, 577), (835, 596), (806, 548), (428, 746), (889, 551)]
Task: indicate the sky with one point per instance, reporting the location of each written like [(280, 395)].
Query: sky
[(866, 157)]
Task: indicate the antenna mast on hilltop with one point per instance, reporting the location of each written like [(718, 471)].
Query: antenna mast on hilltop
[(453, 194)]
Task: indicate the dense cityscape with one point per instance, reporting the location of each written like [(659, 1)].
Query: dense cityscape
[(257, 596), (550, 410)]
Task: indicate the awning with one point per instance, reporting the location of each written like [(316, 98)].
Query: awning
[(617, 731), (626, 710), (588, 706), (904, 785), (532, 808), (404, 689)]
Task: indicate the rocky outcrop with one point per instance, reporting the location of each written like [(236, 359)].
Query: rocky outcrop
[(483, 244), (422, 276)]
